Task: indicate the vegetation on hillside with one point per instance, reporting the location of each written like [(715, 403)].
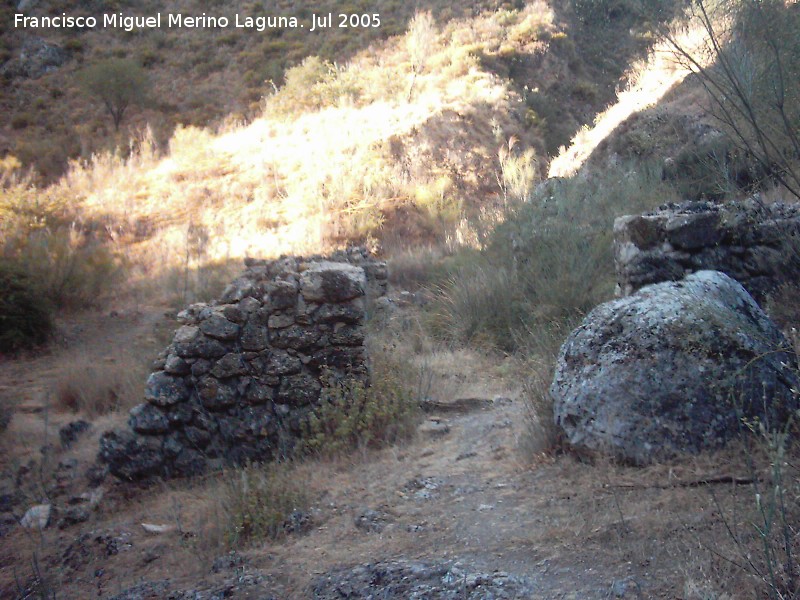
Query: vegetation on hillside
[(429, 139)]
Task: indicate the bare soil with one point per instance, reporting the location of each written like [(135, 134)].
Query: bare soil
[(460, 492)]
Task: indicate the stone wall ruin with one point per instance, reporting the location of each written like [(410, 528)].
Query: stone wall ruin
[(242, 374), (755, 243)]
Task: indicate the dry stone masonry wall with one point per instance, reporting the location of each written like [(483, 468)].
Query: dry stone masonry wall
[(755, 243), (242, 374)]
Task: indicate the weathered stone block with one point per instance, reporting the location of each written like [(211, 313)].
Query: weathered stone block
[(299, 390), (230, 365), (214, 394), (146, 418), (218, 327), (296, 337), (165, 390), (332, 282)]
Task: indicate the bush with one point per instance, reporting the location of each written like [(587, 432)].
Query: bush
[(752, 84), (72, 268), (118, 83), (483, 304), (73, 272), (26, 318), (550, 261), (539, 351), (259, 502), (353, 415)]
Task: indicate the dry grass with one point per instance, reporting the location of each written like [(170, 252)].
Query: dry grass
[(648, 82), (336, 153), (95, 386)]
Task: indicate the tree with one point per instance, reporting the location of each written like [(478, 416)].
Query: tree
[(118, 83), (749, 66)]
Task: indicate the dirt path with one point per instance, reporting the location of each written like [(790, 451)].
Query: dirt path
[(455, 513)]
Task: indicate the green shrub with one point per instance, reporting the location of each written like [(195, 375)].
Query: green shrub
[(258, 502), (25, 314), (353, 415), (21, 120), (538, 353), (483, 304), (549, 262), (312, 85)]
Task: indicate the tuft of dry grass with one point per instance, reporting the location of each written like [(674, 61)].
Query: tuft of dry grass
[(95, 387), (258, 503), (537, 360)]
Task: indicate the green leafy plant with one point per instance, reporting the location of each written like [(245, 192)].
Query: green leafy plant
[(353, 415), (26, 318), (118, 83)]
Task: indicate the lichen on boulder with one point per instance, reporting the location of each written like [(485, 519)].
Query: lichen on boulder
[(674, 368)]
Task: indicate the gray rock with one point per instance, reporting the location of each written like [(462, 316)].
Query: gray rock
[(332, 282), (672, 369), (411, 580), (229, 365), (186, 334), (198, 438), (191, 314), (694, 230), (130, 456), (218, 327), (36, 517), (36, 58), (146, 418), (201, 348), (189, 463), (351, 312), (373, 521), (282, 294), (347, 335), (280, 320), (278, 363), (175, 365), (73, 516), (255, 336), (296, 337), (214, 394), (249, 305), (234, 314), (299, 390), (258, 393), (70, 432), (200, 367), (164, 390)]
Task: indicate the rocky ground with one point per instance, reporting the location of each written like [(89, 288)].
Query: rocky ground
[(458, 512)]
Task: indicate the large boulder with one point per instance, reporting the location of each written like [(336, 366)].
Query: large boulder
[(674, 368)]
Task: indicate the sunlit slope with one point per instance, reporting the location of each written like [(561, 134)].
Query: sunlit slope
[(409, 130)]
